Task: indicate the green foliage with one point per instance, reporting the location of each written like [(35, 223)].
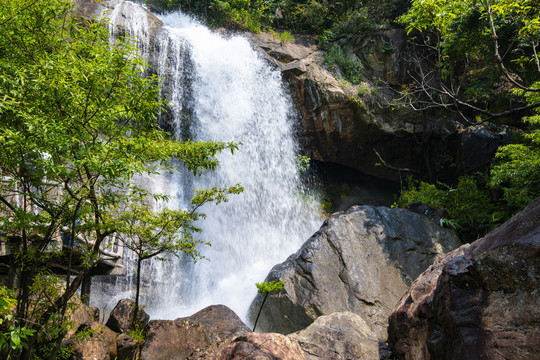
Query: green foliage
[(197, 7), (345, 63), (326, 205), (481, 50), (237, 14), (366, 90), (267, 287), (78, 122), (517, 170), (449, 223), (283, 38), (139, 334), (311, 16), (471, 210), (248, 15), (345, 30), (466, 38), (302, 163), (13, 337), (46, 289)]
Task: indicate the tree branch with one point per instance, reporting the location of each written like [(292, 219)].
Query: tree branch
[(386, 165), (507, 73)]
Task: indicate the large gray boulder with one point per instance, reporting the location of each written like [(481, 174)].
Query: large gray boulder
[(338, 336), (362, 260), (480, 301)]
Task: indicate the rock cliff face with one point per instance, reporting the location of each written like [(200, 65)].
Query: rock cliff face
[(362, 261), (344, 125), (480, 301), (337, 126)]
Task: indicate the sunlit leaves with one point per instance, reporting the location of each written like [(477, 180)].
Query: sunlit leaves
[(517, 170), (72, 95), (78, 122), (267, 287)]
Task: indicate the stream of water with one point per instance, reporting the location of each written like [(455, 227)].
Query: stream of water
[(220, 88)]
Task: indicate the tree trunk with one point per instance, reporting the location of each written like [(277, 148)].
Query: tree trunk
[(260, 310), (137, 292), (85, 290)]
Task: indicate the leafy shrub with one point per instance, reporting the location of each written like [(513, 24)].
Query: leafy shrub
[(345, 62), (267, 287), (314, 15), (517, 171), (13, 336), (237, 14), (471, 209), (283, 38)]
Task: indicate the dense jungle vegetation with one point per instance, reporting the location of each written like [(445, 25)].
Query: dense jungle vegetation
[(476, 60)]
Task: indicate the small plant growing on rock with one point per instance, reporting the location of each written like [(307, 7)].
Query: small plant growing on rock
[(302, 163), (284, 37), (267, 287)]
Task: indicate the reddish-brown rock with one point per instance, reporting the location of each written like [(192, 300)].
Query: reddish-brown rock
[(79, 313), (123, 315), (99, 344), (192, 337), (480, 301), (260, 346)]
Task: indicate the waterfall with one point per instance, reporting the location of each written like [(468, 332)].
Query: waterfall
[(220, 88)]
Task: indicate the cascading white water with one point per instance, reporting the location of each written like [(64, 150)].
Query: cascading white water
[(220, 89)]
